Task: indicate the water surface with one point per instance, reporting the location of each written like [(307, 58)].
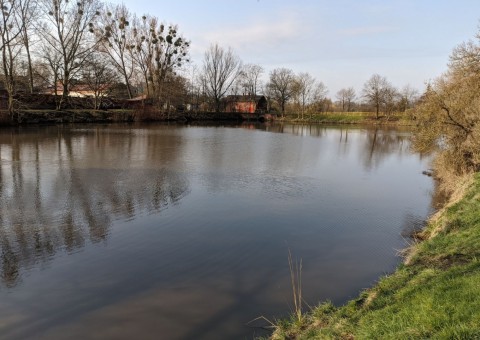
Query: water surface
[(182, 232)]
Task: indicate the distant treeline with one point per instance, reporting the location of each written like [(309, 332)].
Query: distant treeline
[(103, 52)]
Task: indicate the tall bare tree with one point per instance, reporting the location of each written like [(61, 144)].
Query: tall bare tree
[(10, 33), (26, 19), (116, 40), (374, 90), (306, 90), (220, 70), (346, 97), (281, 86), (65, 29), (194, 87), (391, 98), (142, 52), (170, 54), (320, 100), (158, 51)]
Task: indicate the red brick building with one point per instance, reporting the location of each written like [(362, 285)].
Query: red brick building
[(246, 104)]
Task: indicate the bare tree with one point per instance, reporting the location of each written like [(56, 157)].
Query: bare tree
[(10, 34), (65, 29), (408, 97), (26, 19), (158, 51), (116, 37), (294, 102), (306, 90), (250, 78), (52, 59), (390, 99), (320, 100), (142, 52), (281, 86), (194, 87), (99, 77), (374, 91), (346, 97), (220, 70)]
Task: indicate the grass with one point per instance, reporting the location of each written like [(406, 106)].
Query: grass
[(296, 282), (435, 294), (349, 118)]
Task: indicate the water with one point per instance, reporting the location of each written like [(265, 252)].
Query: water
[(183, 232)]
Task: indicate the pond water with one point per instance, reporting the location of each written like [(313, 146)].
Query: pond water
[(183, 232)]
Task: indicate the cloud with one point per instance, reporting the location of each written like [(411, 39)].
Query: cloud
[(256, 34)]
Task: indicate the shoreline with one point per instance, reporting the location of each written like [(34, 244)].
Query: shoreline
[(433, 293), (350, 118), (29, 117)]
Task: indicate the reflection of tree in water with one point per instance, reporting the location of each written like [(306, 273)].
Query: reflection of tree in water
[(50, 201), (9, 264), (381, 144), (312, 130)]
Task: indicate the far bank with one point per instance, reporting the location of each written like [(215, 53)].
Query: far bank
[(26, 117), (22, 117), (349, 118)]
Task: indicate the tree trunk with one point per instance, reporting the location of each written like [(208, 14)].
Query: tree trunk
[(64, 98), (8, 75), (55, 90), (127, 83), (29, 59)]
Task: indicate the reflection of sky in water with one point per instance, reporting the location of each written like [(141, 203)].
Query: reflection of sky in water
[(184, 231)]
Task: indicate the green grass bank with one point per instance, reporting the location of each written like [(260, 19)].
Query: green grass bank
[(348, 118), (434, 294)]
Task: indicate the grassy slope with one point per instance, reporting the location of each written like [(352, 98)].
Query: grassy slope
[(435, 294), (348, 118)]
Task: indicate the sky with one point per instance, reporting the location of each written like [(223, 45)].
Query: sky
[(342, 43)]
